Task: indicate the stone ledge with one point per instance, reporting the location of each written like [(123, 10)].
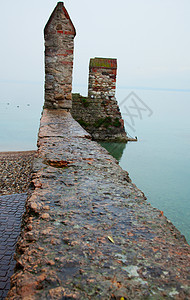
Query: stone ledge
[(88, 232)]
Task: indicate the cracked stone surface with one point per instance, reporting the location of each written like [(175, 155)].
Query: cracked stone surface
[(88, 231)]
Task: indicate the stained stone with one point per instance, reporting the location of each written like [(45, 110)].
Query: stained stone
[(149, 256)]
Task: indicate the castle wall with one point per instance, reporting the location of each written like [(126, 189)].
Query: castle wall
[(100, 117), (59, 36), (99, 113)]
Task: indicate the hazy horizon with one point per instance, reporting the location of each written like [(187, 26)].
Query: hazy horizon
[(149, 39)]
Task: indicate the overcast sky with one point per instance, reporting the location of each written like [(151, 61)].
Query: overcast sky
[(150, 39)]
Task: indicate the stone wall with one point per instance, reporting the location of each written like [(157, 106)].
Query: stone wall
[(100, 117), (59, 45), (88, 232), (99, 113)]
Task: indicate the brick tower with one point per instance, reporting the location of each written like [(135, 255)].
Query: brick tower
[(99, 113), (102, 78), (59, 36)]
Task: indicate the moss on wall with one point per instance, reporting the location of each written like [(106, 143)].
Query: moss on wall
[(100, 117)]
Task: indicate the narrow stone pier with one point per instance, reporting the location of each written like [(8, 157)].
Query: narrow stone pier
[(89, 233)]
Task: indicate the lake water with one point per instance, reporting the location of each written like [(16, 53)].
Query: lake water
[(20, 112), (159, 163)]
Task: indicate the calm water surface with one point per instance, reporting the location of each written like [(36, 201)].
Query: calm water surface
[(159, 163), (20, 110)]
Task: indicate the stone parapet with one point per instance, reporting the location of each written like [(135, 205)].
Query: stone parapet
[(88, 232)]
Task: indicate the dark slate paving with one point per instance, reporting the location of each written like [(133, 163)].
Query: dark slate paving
[(11, 211)]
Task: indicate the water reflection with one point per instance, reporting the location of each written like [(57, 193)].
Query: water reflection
[(115, 149)]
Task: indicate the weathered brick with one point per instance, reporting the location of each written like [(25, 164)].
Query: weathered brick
[(68, 32), (60, 31), (61, 54), (70, 51)]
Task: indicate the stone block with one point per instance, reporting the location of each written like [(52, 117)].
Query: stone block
[(59, 96), (69, 96), (65, 104)]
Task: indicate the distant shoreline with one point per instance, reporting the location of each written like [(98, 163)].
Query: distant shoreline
[(15, 153)]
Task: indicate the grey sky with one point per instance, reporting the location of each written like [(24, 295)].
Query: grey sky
[(150, 39)]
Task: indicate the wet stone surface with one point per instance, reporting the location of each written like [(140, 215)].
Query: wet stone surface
[(89, 233), (11, 211)]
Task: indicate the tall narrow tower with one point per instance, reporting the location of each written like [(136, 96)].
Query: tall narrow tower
[(59, 35)]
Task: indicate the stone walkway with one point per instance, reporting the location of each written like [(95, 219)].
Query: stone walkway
[(89, 232), (11, 211)]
